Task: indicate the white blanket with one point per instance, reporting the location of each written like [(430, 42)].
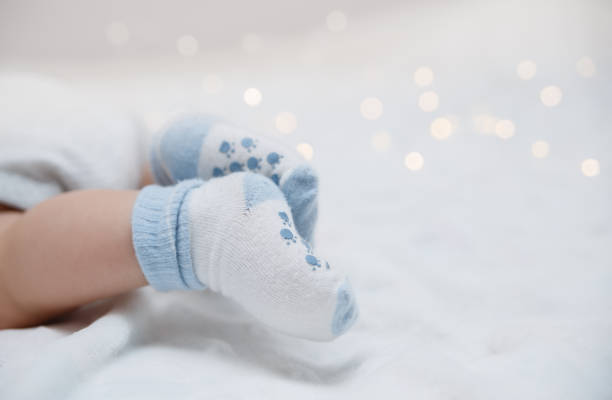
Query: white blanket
[(484, 275), (467, 289)]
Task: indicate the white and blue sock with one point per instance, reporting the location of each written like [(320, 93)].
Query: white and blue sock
[(235, 235), (205, 147)]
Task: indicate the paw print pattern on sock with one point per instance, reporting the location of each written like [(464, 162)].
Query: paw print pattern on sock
[(283, 215), (254, 163), (311, 259), (217, 172), (290, 237), (227, 148), (314, 261), (248, 143), (274, 159), (236, 167), (287, 235)]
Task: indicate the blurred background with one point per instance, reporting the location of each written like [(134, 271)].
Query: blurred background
[(464, 149)]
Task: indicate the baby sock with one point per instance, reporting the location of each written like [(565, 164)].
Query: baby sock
[(235, 235), (206, 147)]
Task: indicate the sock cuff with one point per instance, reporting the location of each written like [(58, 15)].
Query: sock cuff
[(161, 237)]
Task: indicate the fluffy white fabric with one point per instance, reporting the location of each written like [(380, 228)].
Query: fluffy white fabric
[(485, 275), (53, 139)]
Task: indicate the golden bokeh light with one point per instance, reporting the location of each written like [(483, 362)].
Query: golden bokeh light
[(551, 96), (423, 76), (526, 69), (590, 167), (252, 97), (371, 108), (305, 150), (540, 149), (429, 101), (414, 161), (441, 128), (504, 129)]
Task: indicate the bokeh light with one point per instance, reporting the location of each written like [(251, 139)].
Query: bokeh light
[(526, 69), (590, 167), (212, 84), (423, 76), (540, 149), (441, 128), (586, 67), (286, 122), (252, 96), (117, 33), (504, 129), (429, 101), (414, 161), (336, 21), (381, 141), (371, 108), (187, 46), (551, 96), (305, 150)]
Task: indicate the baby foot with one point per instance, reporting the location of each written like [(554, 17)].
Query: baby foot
[(205, 147), (235, 236)]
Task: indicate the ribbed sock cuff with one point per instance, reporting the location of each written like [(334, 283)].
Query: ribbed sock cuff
[(161, 238)]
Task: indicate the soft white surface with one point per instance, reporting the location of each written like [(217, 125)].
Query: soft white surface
[(54, 140), (486, 274)]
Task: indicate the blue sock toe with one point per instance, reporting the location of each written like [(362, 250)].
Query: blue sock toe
[(301, 190), (346, 310)]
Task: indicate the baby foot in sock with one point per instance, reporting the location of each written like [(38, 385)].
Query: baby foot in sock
[(206, 147), (235, 235)]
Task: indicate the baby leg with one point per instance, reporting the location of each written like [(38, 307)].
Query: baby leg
[(234, 235), (65, 252)]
